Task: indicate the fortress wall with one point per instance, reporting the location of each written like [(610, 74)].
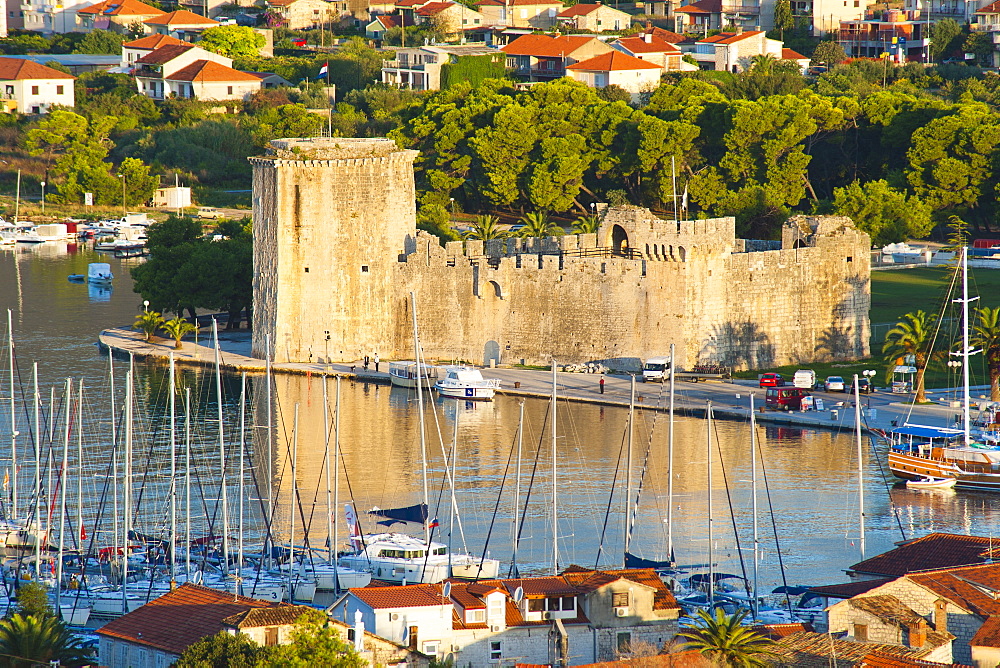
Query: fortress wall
[(265, 260)]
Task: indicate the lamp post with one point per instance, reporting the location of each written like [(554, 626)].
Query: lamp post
[(145, 306), (124, 211), (870, 375), (43, 198)]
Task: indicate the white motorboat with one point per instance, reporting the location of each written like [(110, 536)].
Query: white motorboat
[(931, 483), (99, 273), (396, 557), (8, 233), (27, 234), (404, 374), (464, 382)]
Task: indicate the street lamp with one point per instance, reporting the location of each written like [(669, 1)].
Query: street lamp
[(43, 198), (145, 306), (124, 212), (870, 375)]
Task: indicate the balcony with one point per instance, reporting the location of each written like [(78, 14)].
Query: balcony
[(547, 72), (984, 27), (742, 10)]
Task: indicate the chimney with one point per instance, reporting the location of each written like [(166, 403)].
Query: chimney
[(918, 635), (739, 30), (941, 616), (648, 38)]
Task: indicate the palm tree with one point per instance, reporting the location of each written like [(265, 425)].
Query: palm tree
[(35, 640), (537, 224), (763, 63), (148, 322), (912, 336), (485, 228), (986, 335), (723, 639), (586, 225), (177, 328)]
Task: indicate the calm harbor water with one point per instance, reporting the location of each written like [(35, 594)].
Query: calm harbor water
[(810, 499)]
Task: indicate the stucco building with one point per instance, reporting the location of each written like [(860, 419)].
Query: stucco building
[(615, 68), (30, 88), (538, 14), (419, 67), (114, 15), (336, 254), (595, 17)]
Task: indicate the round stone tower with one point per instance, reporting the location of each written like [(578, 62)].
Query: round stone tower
[(331, 218)]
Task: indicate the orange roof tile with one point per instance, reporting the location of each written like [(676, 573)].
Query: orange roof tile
[(19, 69), (818, 649), (878, 660), (121, 8), (848, 589), (432, 8), (180, 618), (776, 631), (992, 8), (152, 42), (165, 54), (553, 585), (732, 37), (933, 551), (702, 7), (529, 3), (257, 617), (640, 45), (789, 54), (588, 580), (545, 46), (210, 71), (411, 3), (988, 634), (964, 586), (615, 61), (181, 17), (400, 596), (668, 36), (580, 9)]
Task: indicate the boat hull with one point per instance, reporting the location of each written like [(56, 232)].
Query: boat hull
[(473, 393), (913, 467)]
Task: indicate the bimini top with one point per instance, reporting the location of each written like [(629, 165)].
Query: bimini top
[(923, 431)]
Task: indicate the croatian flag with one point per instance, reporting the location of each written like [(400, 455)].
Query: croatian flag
[(434, 524), (323, 70)]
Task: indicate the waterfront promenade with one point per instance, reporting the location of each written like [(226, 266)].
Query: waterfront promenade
[(730, 399)]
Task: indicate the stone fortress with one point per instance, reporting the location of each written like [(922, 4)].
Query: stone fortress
[(337, 253)]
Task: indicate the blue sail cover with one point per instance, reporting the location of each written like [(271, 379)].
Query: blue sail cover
[(416, 514), (632, 561)]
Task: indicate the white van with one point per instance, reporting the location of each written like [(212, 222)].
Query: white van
[(656, 369), (804, 378)]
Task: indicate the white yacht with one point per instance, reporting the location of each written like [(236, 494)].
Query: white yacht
[(99, 273), (396, 557), (465, 382), (404, 374), (27, 234)]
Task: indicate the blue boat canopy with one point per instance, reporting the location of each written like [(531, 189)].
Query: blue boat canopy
[(921, 431)]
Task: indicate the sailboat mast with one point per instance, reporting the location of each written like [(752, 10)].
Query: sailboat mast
[(754, 604), (336, 490), (555, 481), (114, 453), (38, 477), (187, 483), (420, 411), (628, 471), (269, 508), (62, 496), (242, 491), (13, 420), (711, 519), (517, 485), (79, 462), (966, 348), (127, 487), (670, 464), (222, 451), (861, 468), (326, 465), (173, 464), (291, 505)]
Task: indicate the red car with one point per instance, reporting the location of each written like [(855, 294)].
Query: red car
[(771, 380)]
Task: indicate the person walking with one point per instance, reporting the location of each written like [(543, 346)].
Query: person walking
[(375, 359), (365, 362), (602, 383)]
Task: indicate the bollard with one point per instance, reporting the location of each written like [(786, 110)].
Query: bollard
[(517, 384), (834, 414)]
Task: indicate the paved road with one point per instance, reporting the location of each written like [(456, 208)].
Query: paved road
[(729, 398)]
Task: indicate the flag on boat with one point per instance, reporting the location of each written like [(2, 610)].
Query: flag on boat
[(434, 524), (6, 479), (83, 532), (323, 70)]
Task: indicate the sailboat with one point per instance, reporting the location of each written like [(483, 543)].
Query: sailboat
[(921, 451)]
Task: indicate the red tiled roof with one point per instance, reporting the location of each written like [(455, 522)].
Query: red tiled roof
[(180, 618), (702, 7), (165, 54), (615, 61), (668, 36), (732, 37), (589, 580), (181, 17), (992, 8), (400, 596), (257, 617), (819, 649), (581, 9), (877, 660), (553, 585), (210, 71), (789, 54), (392, 21), (529, 3), (988, 634), (965, 587), (432, 8), (121, 8), (640, 45), (777, 631), (410, 3), (848, 589), (13, 69), (933, 551), (545, 46), (151, 42)]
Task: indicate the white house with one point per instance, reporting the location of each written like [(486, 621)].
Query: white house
[(732, 51), (30, 88), (136, 49), (185, 70), (181, 24), (652, 49), (617, 69)]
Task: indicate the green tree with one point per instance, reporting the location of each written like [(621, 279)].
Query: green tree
[(944, 37), (829, 53), (614, 93), (485, 228), (986, 336), (887, 215), (223, 651), (314, 643), (232, 41), (170, 244), (140, 185), (33, 600), (912, 335), (537, 224), (28, 641), (586, 225), (101, 42), (723, 639), (556, 176), (503, 149), (176, 328), (981, 45), (287, 120), (148, 322), (78, 148), (783, 19)]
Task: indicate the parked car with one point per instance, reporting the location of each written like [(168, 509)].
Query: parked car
[(864, 386), (210, 213), (834, 384), (785, 398), (771, 380)]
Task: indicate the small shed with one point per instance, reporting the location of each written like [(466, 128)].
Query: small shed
[(174, 197)]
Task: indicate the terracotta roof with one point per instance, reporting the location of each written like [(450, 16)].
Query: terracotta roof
[(887, 608), (702, 7), (121, 8), (614, 61), (410, 3), (877, 660), (848, 589), (668, 36), (655, 45), (933, 551), (554, 585), (546, 46), (789, 54), (401, 596), (181, 17), (460, 594), (151, 42), (992, 8), (778, 631), (432, 8), (663, 598), (392, 21), (165, 54), (530, 3), (12, 69), (729, 37), (817, 650), (257, 617), (966, 587), (988, 634), (209, 71), (182, 617), (581, 9)]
